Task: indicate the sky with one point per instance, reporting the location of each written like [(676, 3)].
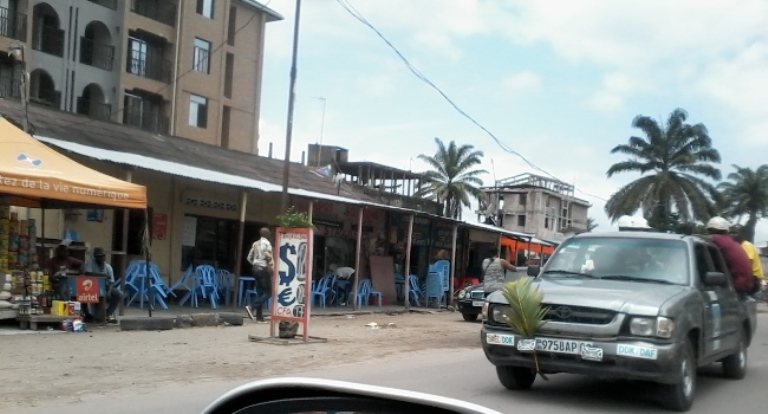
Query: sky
[(559, 82)]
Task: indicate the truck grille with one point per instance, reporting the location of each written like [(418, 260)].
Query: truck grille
[(578, 314)]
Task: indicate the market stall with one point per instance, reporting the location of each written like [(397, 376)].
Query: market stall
[(32, 175)]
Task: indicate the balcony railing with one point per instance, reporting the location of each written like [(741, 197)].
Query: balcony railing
[(146, 119), (110, 4), (13, 25), (141, 64), (49, 40), (161, 10), (10, 87), (47, 97), (94, 109), (96, 54)]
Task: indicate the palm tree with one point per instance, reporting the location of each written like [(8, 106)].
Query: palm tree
[(674, 162), (453, 181), (746, 194), (591, 225)]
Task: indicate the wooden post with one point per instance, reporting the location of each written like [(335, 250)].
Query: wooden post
[(453, 260), (407, 270), (239, 247), (124, 247), (356, 281)]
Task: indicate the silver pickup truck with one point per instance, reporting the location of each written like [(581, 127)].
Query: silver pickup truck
[(636, 306)]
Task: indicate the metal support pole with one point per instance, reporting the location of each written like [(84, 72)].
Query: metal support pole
[(291, 102), (359, 246), (453, 260), (239, 247), (124, 247), (407, 270)]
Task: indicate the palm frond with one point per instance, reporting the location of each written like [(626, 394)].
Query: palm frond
[(526, 315)]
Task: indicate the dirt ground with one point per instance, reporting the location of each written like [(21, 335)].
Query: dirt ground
[(38, 368)]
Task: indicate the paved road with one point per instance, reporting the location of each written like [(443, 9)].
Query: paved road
[(465, 374)]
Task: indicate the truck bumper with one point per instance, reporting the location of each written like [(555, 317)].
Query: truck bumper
[(658, 363)]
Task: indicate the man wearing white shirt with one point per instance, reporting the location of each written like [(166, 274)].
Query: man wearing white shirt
[(260, 257)]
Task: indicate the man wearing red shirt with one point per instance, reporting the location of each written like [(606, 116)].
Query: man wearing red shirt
[(735, 257), (61, 259)]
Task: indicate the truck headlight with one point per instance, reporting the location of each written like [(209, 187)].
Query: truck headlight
[(500, 314), (661, 326), (642, 326), (664, 327), (484, 312), (462, 294)]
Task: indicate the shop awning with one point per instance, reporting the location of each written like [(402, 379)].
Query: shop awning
[(37, 175)]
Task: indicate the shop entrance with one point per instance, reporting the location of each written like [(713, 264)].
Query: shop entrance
[(250, 235)]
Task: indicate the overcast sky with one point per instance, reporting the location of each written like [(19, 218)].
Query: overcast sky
[(557, 81)]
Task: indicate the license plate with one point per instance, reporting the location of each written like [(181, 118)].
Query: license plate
[(637, 352), (556, 346), (478, 303), (500, 339)]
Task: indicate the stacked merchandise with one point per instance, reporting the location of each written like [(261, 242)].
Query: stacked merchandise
[(5, 292), (13, 241), (5, 226)]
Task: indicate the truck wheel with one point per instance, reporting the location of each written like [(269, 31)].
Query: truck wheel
[(679, 397), (516, 378), (735, 365), (469, 317)]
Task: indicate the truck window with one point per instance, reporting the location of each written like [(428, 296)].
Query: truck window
[(717, 260), (702, 264)]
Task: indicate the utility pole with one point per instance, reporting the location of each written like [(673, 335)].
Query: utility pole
[(291, 101)]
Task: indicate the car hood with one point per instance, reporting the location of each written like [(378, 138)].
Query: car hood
[(636, 298)]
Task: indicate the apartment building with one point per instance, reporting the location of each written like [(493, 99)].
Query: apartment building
[(167, 66), (528, 203)]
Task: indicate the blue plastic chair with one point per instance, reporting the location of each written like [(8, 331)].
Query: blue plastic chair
[(367, 287), (414, 292), (205, 278), (435, 288), (225, 284), (322, 290)]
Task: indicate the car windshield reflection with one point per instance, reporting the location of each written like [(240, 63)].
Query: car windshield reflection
[(622, 259)]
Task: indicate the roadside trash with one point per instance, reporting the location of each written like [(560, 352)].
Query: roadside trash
[(391, 325), (372, 325)]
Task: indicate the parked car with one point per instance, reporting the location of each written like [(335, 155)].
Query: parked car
[(637, 306), (471, 298)]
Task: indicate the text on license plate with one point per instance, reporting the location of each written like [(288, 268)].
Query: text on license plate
[(478, 303), (560, 346), (500, 339)]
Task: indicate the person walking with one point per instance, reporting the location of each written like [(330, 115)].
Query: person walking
[(261, 259)]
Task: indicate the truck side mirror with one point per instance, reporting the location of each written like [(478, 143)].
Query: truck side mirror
[(715, 279), (533, 270)]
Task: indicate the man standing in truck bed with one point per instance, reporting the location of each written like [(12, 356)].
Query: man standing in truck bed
[(735, 257)]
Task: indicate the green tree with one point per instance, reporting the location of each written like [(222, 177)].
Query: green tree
[(674, 161), (591, 225), (453, 179), (746, 194)]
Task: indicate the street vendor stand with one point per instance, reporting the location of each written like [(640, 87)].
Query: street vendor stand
[(33, 175)]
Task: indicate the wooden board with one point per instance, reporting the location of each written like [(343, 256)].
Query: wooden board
[(383, 277), (8, 313)]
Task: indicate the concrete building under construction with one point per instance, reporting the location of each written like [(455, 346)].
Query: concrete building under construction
[(536, 205)]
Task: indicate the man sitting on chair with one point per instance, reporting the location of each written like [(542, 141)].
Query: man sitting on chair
[(114, 295)]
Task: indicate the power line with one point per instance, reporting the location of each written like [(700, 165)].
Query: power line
[(178, 77), (359, 17)]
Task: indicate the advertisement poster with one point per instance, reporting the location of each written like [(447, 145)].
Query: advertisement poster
[(87, 289), (292, 281), (159, 226)]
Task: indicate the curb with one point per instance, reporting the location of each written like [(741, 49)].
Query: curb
[(184, 321)]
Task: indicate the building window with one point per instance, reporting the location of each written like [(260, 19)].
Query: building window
[(201, 56), (523, 199), (231, 29), (205, 8), (229, 75), (226, 116), (521, 220), (198, 111)]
